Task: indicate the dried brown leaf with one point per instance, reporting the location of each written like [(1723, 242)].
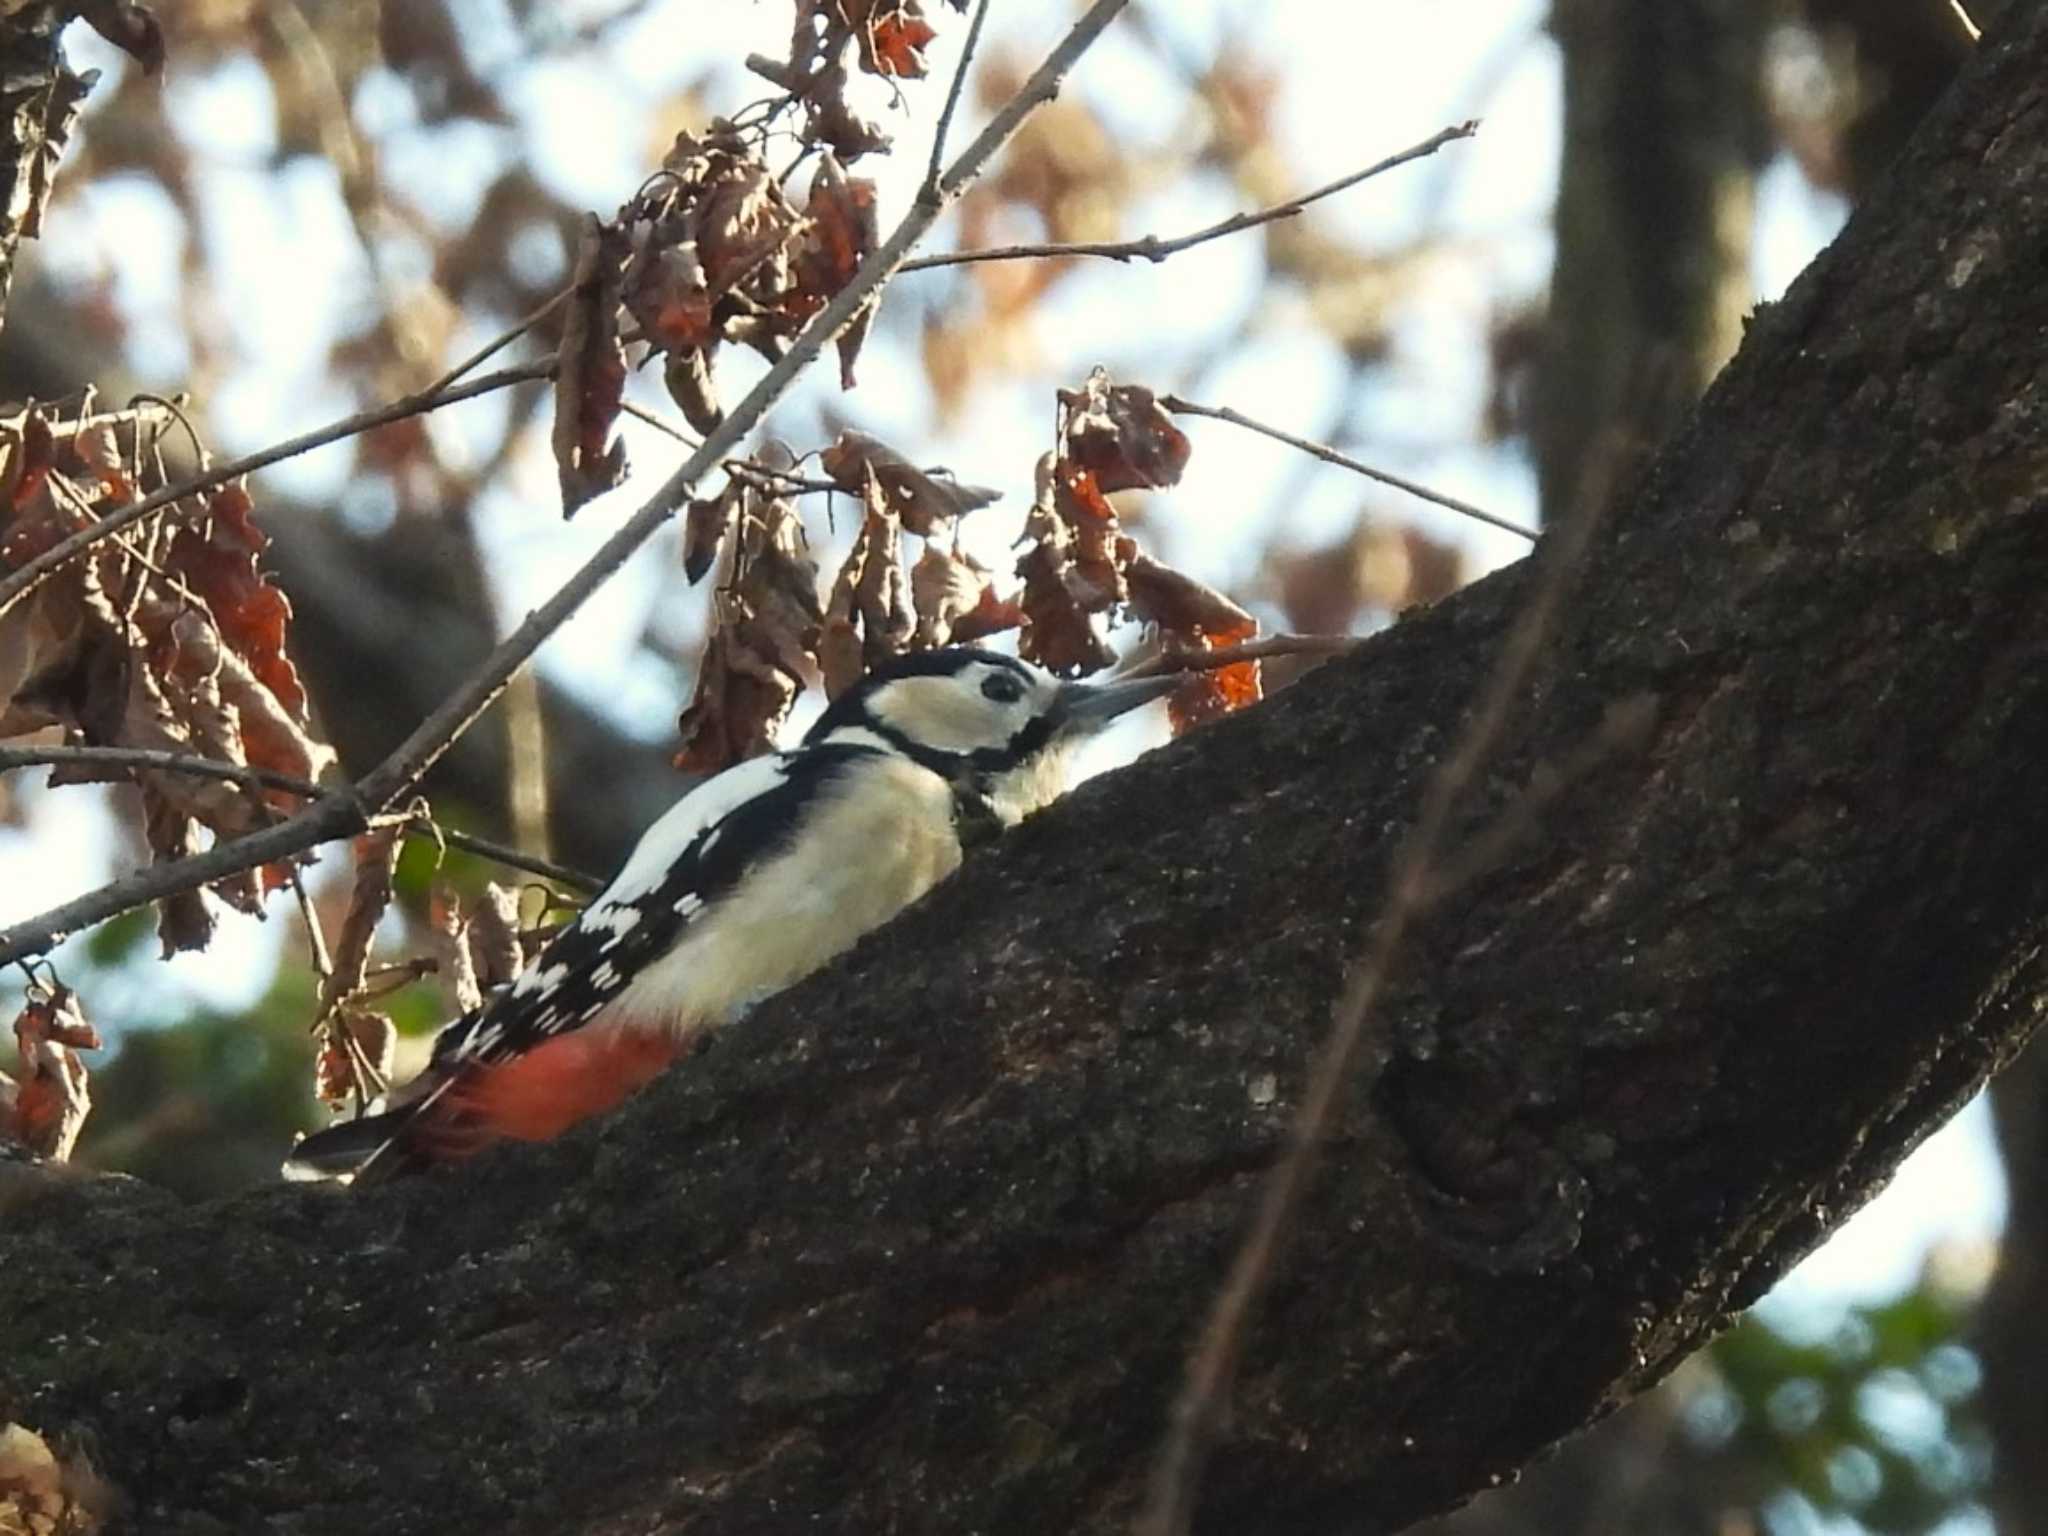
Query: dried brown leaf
[(494, 936), (926, 501), (375, 853), (705, 521), (590, 376), (767, 637), (669, 296), (688, 377), (1189, 611), (945, 587), (1121, 435), (51, 1097), (453, 961)]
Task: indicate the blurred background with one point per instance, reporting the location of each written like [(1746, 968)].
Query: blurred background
[(324, 204)]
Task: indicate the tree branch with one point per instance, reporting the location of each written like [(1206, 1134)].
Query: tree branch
[(1344, 461), (1155, 249), (395, 777), (920, 1246), (251, 779)]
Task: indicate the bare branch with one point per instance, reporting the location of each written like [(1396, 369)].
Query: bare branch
[(931, 176), (1344, 461), (1153, 248), (252, 779), (343, 815)]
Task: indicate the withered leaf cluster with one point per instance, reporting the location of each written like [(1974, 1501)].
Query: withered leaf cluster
[(770, 632), (888, 39), (44, 1108), (1081, 564), (766, 623), (167, 636), (711, 251)]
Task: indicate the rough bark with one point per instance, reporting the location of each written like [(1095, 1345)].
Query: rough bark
[(921, 1246), (1663, 128)]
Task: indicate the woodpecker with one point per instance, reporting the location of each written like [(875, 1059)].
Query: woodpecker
[(750, 882)]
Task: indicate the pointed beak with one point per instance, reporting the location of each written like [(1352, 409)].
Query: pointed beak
[(1090, 706)]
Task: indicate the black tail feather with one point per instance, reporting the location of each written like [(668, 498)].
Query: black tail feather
[(341, 1151)]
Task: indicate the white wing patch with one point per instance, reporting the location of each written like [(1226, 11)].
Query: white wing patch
[(669, 838)]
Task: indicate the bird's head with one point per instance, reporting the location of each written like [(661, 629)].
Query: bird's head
[(982, 721)]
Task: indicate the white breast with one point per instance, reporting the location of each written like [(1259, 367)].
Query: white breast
[(880, 839)]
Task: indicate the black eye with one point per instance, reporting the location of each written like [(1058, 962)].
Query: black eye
[(1002, 687)]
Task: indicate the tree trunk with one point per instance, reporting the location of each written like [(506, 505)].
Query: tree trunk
[(1663, 127), (921, 1247)]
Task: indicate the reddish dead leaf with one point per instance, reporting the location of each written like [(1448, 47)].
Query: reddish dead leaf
[(1058, 634), (590, 376), (740, 703), (1187, 610), (670, 297), (924, 501), (376, 1037), (893, 39), (1121, 434), (50, 1099), (1203, 696), (216, 556), (830, 120), (838, 234)]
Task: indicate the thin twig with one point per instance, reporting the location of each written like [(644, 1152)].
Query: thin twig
[(484, 354), (343, 814), (1169, 662), (1976, 32), (1154, 248), (1212, 1369), (251, 779), (1344, 461), (641, 413), (931, 176), (31, 573)]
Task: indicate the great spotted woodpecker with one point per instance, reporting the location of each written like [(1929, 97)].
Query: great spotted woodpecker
[(754, 879)]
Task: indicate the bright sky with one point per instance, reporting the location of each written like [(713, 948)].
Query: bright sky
[(1360, 82)]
